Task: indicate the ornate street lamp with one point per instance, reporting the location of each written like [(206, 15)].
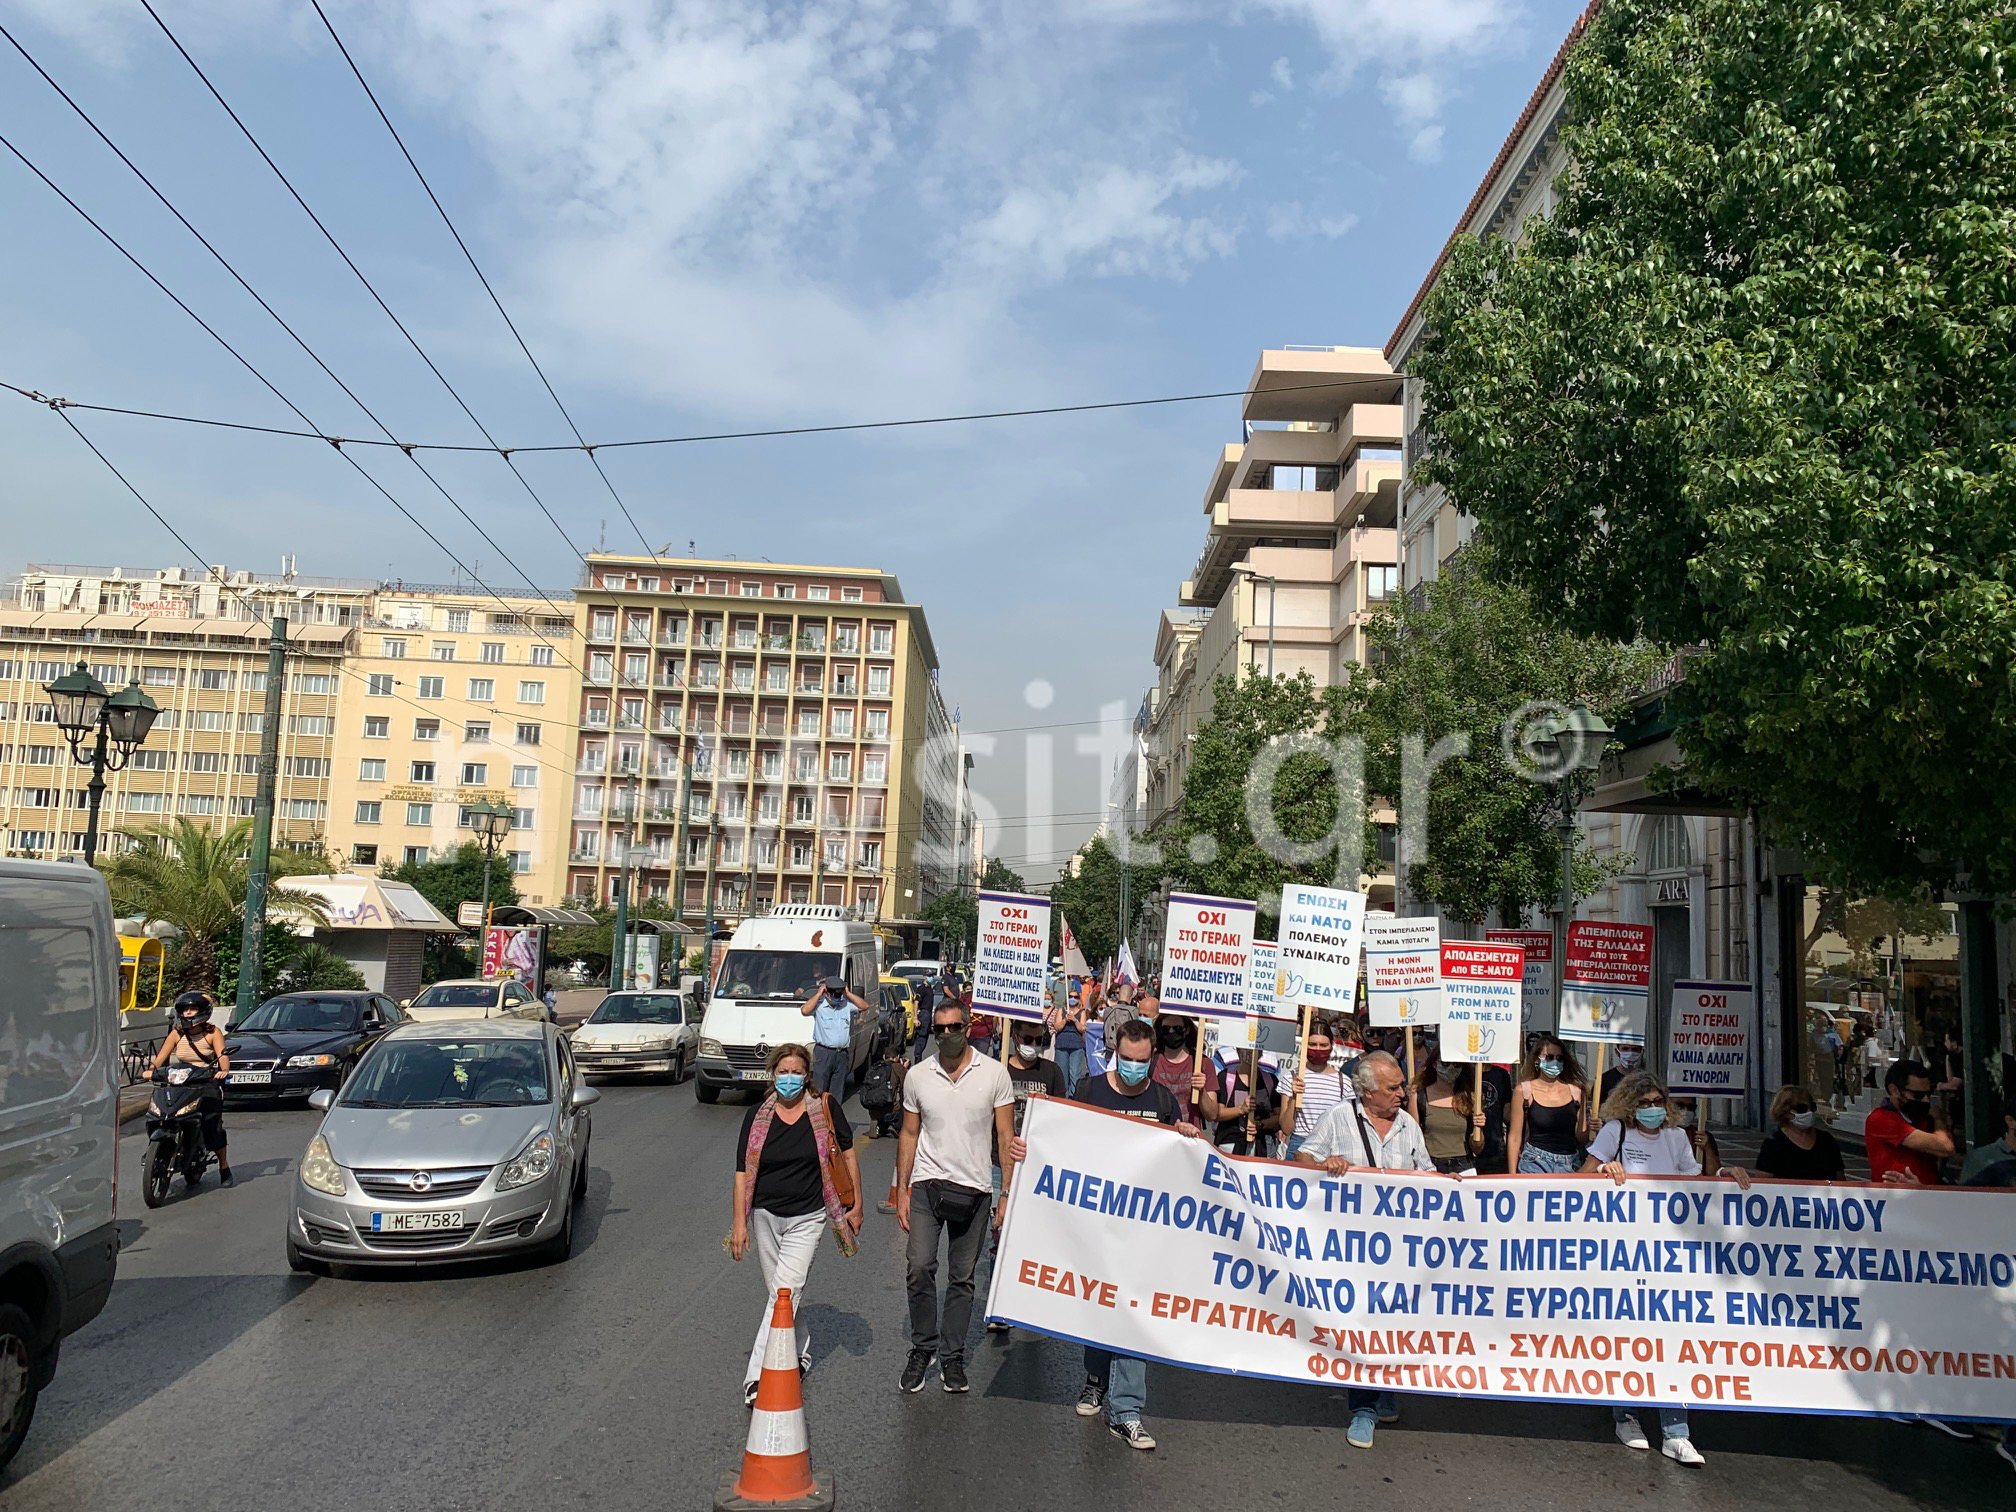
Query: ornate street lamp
[(490, 823), (113, 724)]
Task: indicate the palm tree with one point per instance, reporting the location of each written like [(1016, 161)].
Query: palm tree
[(194, 877)]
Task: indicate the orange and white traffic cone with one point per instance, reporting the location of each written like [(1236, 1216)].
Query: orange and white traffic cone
[(777, 1464), (888, 1205)]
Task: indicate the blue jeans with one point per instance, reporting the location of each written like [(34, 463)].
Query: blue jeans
[(1381, 1402), (1672, 1420), (1534, 1161), (1295, 1142), (829, 1069), (1071, 1064), (1125, 1379)]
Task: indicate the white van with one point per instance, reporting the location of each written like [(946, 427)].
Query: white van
[(771, 967), (59, 1121)]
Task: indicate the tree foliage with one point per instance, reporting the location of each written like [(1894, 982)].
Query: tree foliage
[(448, 881), (955, 915), (1089, 897), (1750, 388)]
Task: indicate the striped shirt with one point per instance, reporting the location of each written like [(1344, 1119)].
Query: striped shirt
[(1321, 1091)]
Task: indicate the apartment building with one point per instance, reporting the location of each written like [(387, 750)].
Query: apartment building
[(795, 708), (195, 640), (457, 697)]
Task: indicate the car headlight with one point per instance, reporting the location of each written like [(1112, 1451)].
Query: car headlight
[(320, 1171), (295, 1061), (531, 1164), (712, 1047)]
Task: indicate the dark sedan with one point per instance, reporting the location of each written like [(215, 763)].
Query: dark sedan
[(291, 1045)]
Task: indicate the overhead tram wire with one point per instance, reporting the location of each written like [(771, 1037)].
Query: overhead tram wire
[(442, 210), (270, 387), (369, 287), (260, 300)]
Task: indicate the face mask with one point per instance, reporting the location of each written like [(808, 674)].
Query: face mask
[(790, 1085), (1686, 1120), (1650, 1118), (1029, 1049), (1629, 1059), (1548, 1067), (1805, 1120), (1319, 1058), (1132, 1072), (951, 1044), (1448, 1073), (1916, 1106), (1172, 1039)]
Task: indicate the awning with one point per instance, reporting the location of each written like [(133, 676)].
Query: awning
[(518, 913)]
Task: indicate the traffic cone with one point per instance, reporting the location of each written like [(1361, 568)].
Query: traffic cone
[(888, 1205), (777, 1465)]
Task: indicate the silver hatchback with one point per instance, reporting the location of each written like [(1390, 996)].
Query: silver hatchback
[(450, 1141)]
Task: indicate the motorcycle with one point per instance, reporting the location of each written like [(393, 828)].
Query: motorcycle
[(175, 1130)]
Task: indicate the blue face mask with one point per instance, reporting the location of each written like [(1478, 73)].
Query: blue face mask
[(1132, 1072), (1549, 1067), (790, 1085), (1650, 1118)]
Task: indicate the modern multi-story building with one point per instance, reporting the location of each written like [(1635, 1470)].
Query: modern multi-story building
[(752, 734), (454, 698), (195, 642)]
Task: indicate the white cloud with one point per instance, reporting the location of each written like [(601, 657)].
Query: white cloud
[(1113, 220), (1283, 75), (1416, 100), (1294, 221)]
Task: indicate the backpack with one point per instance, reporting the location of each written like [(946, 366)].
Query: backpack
[(878, 1088)]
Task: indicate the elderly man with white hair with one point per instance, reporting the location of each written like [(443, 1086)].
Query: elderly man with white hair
[(1370, 1132)]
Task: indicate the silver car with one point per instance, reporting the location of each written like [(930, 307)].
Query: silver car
[(448, 1142)]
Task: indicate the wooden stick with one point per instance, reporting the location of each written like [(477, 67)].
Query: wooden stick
[(1477, 1105), (1594, 1097)]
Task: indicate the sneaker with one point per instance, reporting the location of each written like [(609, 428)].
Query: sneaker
[(749, 1394), (1091, 1399), (1682, 1451), (915, 1369), (885, 1207), (1132, 1434), (1630, 1435), (996, 1326), (952, 1374), (2007, 1451), (1363, 1423), (1951, 1430), (225, 1178)]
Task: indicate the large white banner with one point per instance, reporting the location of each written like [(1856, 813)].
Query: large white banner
[(1207, 949), (1792, 1296), (1322, 930), (1011, 958), (1403, 971)]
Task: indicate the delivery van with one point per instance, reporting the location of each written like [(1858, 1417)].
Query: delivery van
[(771, 966), (59, 1121)]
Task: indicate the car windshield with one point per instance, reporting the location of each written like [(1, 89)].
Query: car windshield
[(457, 995), (774, 973), (637, 1008), (442, 1073), (284, 1013)]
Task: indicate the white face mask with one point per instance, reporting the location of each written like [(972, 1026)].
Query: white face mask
[(1629, 1059), (1805, 1120)]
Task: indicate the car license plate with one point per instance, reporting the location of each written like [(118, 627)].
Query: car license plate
[(250, 1078), (406, 1223), (755, 1075)]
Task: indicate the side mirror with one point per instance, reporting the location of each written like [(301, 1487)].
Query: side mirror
[(321, 1099), (584, 1096), (374, 1026), (405, 1002)]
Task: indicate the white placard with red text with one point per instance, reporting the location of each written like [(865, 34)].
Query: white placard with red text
[(1480, 1001), (1708, 1046), (1207, 951), (1010, 961)]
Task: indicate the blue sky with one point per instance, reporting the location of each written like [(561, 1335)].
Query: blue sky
[(725, 215)]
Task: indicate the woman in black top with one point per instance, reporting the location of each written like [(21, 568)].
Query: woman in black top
[(795, 1175), (1799, 1149)]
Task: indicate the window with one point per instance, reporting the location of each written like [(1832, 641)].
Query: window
[(444, 650), (210, 719), (371, 769), (528, 734), (47, 671), (252, 724), (160, 677), (426, 729), (304, 808), (458, 619), (245, 766), (878, 724), (521, 818), (840, 766), (540, 655), (308, 766), (203, 761), (524, 776), (875, 767), (843, 722), (35, 797), (878, 680), (255, 682), (419, 813), (475, 773), (521, 862), (808, 721), (752, 590), (482, 689), (143, 761), (377, 727), (1380, 583), (881, 639), (216, 682), (787, 590), (476, 732), (818, 591), (602, 624), (846, 637), (370, 813), (363, 855), (532, 692), (309, 724), (378, 684), (850, 595), (493, 651), (396, 649), (416, 855), (146, 803), (420, 771), (307, 682), (431, 687), (202, 803)]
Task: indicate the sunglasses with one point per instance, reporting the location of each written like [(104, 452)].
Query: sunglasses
[(1801, 1107), (1651, 1102)]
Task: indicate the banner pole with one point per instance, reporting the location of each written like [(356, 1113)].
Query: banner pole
[(1477, 1105), (1590, 1117)]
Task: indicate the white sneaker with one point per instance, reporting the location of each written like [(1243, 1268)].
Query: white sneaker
[(2006, 1452), (1951, 1430), (1683, 1451), (1630, 1435)]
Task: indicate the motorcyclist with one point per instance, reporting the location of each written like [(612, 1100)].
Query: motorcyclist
[(196, 1041)]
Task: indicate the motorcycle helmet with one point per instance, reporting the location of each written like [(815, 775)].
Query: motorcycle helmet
[(191, 1009)]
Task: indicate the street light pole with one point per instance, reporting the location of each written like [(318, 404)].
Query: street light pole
[(492, 822), (115, 724), (1246, 570)]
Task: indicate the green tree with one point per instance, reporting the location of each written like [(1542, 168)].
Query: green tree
[(448, 881), (311, 967), (1749, 388), (1473, 660), (1090, 898), (998, 876), (955, 915), (194, 876)]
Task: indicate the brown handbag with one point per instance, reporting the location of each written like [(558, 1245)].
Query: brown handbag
[(843, 1179)]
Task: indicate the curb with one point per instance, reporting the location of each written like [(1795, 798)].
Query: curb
[(133, 1102)]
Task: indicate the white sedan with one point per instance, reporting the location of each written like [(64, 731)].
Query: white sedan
[(474, 998), (640, 1032)]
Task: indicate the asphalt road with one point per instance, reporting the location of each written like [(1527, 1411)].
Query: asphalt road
[(215, 1379)]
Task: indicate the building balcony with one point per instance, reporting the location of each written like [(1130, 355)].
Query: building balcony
[(595, 719), (635, 637), (669, 682), (674, 640), (601, 635), (1318, 383)]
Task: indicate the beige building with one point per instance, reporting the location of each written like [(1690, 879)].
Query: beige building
[(194, 643), (796, 707), (455, 698)]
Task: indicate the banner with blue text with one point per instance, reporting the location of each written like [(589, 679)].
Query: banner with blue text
[(1805, 1297)]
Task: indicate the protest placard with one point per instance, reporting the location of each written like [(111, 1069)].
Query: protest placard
[(1207, 950), (1607, 984), (1403, 971), (1480, 1001), (1322, 930), (1792, 1296), (1010, 958), (1536, 989), (1708, 1045)]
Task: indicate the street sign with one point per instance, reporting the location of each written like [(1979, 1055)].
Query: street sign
[(469, 915)]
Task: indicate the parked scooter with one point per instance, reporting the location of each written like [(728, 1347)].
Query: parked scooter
[(175, 1130)]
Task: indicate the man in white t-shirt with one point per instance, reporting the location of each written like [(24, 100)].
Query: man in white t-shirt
[(958, 1107)]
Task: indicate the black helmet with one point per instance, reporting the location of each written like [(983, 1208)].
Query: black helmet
[(194, 1006)]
